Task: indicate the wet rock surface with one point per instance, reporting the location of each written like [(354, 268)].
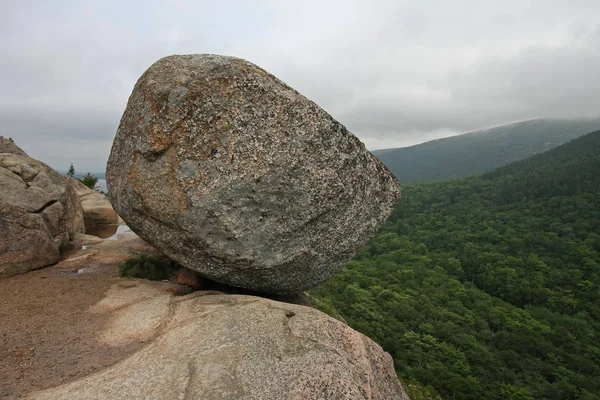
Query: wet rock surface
[(232, 173)]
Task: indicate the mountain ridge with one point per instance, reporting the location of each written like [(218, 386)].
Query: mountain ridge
[(481, 151)]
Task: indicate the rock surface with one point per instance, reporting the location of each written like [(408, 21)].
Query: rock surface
[(234, 174), (39, 213), (230, 347), (189, 278), (47, 335), (26, 243), (6, 146), (97, 209)]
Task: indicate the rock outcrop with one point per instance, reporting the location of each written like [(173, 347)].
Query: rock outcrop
[(26, 243), (97, 209), (39, 213), (234, 174), (230, 347), (8, 146)]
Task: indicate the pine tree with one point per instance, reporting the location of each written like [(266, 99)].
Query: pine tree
[(71, 171), (90, 181)]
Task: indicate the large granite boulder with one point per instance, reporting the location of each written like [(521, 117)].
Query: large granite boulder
[(230, 347), (236, 175), (97, 209), (39, 213)]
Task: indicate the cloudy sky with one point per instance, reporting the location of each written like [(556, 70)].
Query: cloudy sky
[(394, 72)]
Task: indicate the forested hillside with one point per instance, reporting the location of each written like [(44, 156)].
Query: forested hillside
[(488, 287), (481, 151)]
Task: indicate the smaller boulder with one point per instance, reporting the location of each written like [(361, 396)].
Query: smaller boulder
[(97, 209)]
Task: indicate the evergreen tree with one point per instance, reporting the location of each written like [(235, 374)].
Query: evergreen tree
[(71, 171), (90, 181)]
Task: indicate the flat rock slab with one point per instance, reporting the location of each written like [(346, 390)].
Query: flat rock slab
[(232, 347), (236, 175)]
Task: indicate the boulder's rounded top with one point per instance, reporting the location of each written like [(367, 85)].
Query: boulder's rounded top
[(208, 63), (185, 69)]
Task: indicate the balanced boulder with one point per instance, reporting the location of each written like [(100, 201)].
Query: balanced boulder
[(236, 175), (39, 213)]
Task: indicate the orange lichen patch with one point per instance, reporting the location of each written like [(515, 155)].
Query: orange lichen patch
[(22, 351), (157, 142)]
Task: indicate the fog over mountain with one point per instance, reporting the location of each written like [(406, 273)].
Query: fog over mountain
[(396, 73), (481, 151)]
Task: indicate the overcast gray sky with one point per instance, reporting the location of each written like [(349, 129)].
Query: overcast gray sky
[(394, 72)]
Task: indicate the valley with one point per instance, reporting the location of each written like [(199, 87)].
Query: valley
[(487, 286)]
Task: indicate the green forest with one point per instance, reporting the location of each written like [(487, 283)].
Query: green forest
[(487, 287)]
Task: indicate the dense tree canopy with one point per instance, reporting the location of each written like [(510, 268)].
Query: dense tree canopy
[(487, 287)]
